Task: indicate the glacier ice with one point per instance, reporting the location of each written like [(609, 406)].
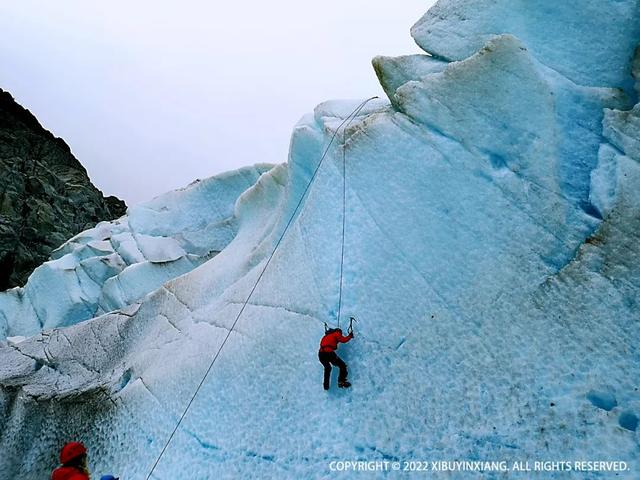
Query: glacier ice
[(117, 263), (590, 43), (491, 255)]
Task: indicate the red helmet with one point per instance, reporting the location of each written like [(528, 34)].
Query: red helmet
[(72, 450)]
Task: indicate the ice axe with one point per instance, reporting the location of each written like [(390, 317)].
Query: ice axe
[(350, 329)]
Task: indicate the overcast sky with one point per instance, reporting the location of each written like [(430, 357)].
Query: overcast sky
[(152, 94)]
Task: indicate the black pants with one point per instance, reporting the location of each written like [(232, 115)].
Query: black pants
[(328, 358)]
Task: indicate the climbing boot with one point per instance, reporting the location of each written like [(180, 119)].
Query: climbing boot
[(344, 384)]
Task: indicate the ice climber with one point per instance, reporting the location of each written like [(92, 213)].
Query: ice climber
[(327, 356), (73, 457)]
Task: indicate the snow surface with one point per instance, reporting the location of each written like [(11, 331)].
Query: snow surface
[(491, 256)]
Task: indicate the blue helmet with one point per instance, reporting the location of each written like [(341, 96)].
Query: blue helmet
[(108, 477)]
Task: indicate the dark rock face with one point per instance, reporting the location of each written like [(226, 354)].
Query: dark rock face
[(46, 196)]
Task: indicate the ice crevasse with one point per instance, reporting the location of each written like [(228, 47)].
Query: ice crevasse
[(491, 255)]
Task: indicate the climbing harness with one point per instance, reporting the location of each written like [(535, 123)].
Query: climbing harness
[(346, 121)]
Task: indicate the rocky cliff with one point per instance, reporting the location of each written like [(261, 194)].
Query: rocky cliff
[(45, 194)]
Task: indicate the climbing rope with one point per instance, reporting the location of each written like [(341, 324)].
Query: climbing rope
[(346, 121), (344, 209)]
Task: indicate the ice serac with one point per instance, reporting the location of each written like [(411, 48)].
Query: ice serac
[(491, 254), (519, 116), (589, 42), (393, 72), (117, 263)]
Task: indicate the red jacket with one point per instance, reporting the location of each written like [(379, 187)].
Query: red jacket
[(68, 473), (329, 342)]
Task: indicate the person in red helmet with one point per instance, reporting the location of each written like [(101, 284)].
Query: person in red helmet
[(328, 356), (73, 458)]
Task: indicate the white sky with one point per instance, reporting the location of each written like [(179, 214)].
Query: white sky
[(152, 94)]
